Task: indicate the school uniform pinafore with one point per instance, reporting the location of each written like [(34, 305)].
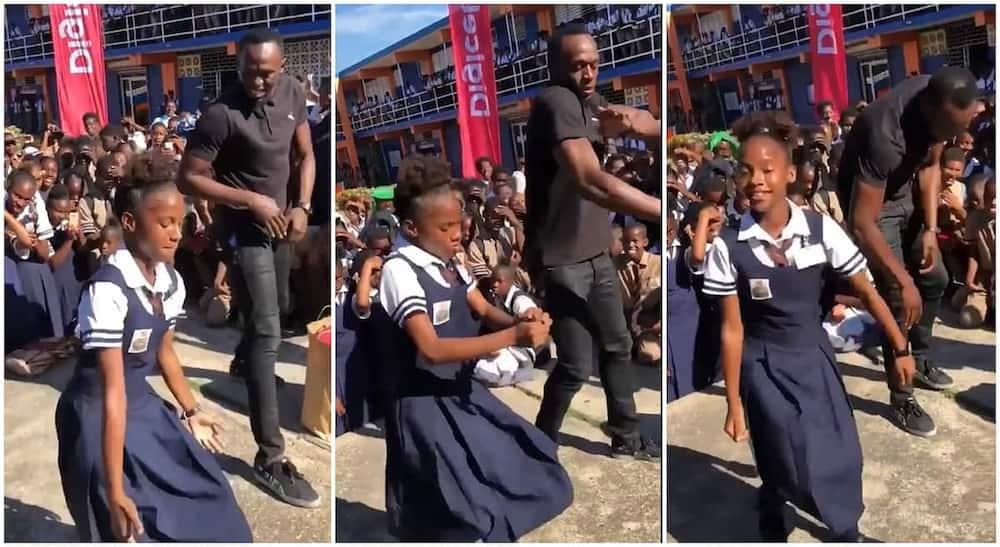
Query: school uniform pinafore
[(682, 326), (178, 487), (69, 286), (460, 465), (802, 428)]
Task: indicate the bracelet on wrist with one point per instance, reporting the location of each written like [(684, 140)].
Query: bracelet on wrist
[(191, 412)]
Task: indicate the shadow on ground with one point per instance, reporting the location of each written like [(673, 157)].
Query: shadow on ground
[(231, 393), (29, 523), (367, 525), (733, 514)]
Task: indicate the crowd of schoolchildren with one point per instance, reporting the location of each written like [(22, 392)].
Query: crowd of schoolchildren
[(705, 185), (61, 225), (490, 251)]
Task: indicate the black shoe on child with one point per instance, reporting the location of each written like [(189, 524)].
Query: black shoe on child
[(645, 450), (283, 480), (912, 417)]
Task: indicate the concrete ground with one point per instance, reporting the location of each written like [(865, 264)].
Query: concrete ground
[(940, 489), (34, 508), (614, 501)]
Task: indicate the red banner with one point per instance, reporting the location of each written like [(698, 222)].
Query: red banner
[(478, 119), (78, 41), (827, 55)]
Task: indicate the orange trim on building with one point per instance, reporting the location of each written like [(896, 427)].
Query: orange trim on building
[(911, 57), (674, 49), (345, 126)]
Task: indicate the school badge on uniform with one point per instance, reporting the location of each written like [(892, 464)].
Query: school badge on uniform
[(442, 312), (760, 289), (140, 340)]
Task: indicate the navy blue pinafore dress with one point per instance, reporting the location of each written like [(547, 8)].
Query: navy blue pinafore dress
[(802, 428), (682, 327), (460, 465), (69, 286), (177, 486)]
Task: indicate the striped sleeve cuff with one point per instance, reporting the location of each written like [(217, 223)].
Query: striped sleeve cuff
[(717, 288), (481, 270), (101, 338), (408, 307), (853, 265)]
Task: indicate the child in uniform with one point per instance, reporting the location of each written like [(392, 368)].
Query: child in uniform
[(132, 469), (781, 374), (461, 466), (65, 240)]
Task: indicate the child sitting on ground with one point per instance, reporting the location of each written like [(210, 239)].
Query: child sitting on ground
[(511, 365)]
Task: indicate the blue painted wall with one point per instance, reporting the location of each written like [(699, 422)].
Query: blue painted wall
[(50, 80), (453, 147), (154, 87), (929, 64), (189, 93), (387, 147), (897, 66), (799, 77), (114, 96), (506, 146), (854, 89), (530, 27), (411, 75)]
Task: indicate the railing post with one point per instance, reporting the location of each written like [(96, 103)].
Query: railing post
[(229, 26)]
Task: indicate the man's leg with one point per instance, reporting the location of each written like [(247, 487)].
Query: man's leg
[(566, 291), (907, 411), (258, 295), (615, 359), (932, 286)]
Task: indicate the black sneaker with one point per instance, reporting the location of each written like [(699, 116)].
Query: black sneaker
[(645, 450), (912, 418), (931, 377), (285, 482), (237, 370)]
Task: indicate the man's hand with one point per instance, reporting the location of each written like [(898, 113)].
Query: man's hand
[(267, 213), (913, 305), (615, 121), (952, 201), (929, 245), (298, 222)]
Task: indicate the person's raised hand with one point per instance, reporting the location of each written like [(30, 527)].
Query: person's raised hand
[(533, 334), (615, 120)]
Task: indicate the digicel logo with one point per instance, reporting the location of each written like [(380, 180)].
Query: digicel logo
[(826, 40), (73, 29), (472, 72)]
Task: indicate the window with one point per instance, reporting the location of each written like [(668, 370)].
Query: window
[(933, 43), (637, 97), (874, 78)]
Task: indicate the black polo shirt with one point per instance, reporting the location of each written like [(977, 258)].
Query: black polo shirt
[(562, 227), (889, 142), (249, 145)]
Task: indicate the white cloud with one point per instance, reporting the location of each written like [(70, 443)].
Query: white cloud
[(382, 18)]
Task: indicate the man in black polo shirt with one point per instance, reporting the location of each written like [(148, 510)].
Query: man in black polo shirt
[(568, 234), (246, 137), (894, 142)]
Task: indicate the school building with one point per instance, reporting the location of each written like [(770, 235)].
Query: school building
[(155, 52), (402, 99), (725, 60)]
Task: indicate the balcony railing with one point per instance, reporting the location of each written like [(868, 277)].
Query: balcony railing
[(792, 32), (617, 46), (138, 25)]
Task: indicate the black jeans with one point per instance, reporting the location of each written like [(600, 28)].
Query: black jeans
[(260, 280), (585, 303), (902, 229)]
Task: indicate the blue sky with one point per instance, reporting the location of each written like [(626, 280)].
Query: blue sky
[(363, 29)]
